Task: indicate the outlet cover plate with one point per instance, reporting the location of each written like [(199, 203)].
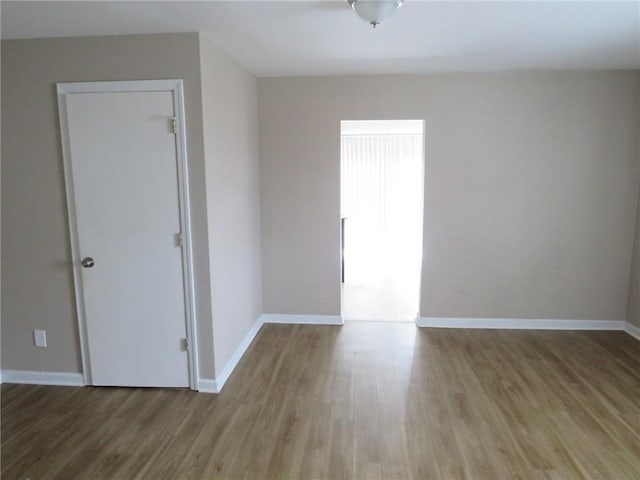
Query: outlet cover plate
[(40, 338)]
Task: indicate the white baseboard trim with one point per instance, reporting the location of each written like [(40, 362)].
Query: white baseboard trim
[(303, 319), (206, 385), (520, 323), (632, 330), (237, 355), (43, 378)]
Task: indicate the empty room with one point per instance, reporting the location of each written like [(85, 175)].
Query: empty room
[(360, 239)]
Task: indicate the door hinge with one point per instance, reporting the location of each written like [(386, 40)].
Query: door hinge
[(174, 125), (179, 240), (186, 344)]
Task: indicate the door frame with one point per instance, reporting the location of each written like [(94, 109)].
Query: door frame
[(176, 87)]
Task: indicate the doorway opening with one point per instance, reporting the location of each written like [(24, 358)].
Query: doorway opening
[(381, 187)]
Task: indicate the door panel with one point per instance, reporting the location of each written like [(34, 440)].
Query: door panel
[(123, 159)]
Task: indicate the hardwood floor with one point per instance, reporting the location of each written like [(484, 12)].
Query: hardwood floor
[(366, 400)]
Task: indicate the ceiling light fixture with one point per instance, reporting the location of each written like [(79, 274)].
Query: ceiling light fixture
[(375, 11)]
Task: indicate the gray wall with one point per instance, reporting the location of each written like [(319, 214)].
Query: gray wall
[(531, 187), (229, 98), (37, 286)]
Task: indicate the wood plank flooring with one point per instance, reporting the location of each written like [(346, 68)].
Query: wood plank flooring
[(363, 401)]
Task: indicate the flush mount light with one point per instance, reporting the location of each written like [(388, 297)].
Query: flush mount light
[(375, 11)]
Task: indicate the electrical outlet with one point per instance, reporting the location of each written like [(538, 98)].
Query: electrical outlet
[(40, 338)]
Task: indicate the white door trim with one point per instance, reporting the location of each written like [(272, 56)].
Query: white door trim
[(176, 87)]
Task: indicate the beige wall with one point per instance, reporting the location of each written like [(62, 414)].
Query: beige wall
[(37, 286), (530, 189), (633, 305), (229, 98)]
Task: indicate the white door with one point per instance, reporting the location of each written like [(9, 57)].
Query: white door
[(122, 153)]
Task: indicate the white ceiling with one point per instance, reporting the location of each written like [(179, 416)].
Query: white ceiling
[(327, 38)]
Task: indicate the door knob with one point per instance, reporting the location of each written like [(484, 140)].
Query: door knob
[(87, 262)]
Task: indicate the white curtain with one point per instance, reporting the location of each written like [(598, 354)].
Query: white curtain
[(381, 199)]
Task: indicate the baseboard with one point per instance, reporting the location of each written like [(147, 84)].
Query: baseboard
[(215, 386), (206, 385), (632, 330), (520, 323), (303, 319), (43, 378)]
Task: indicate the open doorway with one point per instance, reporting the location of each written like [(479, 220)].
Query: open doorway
[(382, 171)]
